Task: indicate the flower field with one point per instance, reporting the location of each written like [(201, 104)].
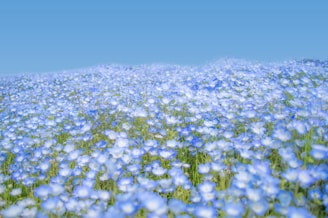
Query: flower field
[(226, 139)]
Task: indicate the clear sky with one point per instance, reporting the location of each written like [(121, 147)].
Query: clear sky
[(42, 36)]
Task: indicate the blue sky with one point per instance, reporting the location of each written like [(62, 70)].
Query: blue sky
[(42, 36)]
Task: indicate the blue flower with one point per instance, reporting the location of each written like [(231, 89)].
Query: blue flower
[(294, 212), (65, 172), (71, 204), (56, 189), (128, 207), (159, 171), (16, 191), (282, 134), (113, 212), (153, 203), (233, 209), (42, 191), (53, 205), (167, 154), (122, 142), (305, 178), (259, 207), (205, 212), (82, 191), (319, 152), (148, 184), (315, 194), (254, 194), (12, 211), (285, 198), (204, 168), (176, 206), (291, 175), (125, 184), (300, 127)]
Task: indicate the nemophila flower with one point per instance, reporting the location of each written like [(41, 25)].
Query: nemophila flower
[(12, 211), (93, 213), (204, 168), (179, 178), (278, 208), (176, 206), (89, 182), (73, 155), (42, 191), (116, 152), (126, 158), (53, 205), (110, 134), (259, 207), (125, 184), (261, 168), (137, 152), (267, 141), (56, 189), (91, 174), (294, 212), (147, 184), (65, 172), (285, 198), (172, 144), (150, 144), (167, 154), (282, 134), (301, 127), (254, 194), (271, 186), (218, 167), (205, 212), (16, 191), (243, 176), (128, 207), (206, 191), (122, 142), (114, 212), (101, 158), (245, 153), (232, 209), (45, 166), (291, 175), (294, 163), (29, 212), (315, 194), (166, 185), (159, 171), (103, 195), (319, 152), (82, 191), (287, 153), (258, 128), (71, 204), (26, 202), (153, 203), (305, 178), (101, 144), (134, 169)]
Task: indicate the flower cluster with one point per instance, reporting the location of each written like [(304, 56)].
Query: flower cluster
[(227, 139)]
